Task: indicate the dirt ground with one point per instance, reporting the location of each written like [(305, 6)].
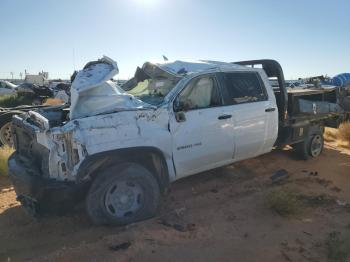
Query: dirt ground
[(219, 215)]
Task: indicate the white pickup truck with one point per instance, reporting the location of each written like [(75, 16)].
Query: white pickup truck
[(118, 148)]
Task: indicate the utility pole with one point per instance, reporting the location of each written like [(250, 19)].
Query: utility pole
[(73, 59)]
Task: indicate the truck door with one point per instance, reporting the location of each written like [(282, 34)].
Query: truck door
[(201, 128), (254, 113)]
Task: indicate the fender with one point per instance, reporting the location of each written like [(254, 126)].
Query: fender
[(150, 157)]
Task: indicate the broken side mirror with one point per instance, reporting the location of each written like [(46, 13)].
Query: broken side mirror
[(182, 105), (179, 109), (180, 116)]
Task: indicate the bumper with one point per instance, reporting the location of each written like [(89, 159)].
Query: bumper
[(39, 195)]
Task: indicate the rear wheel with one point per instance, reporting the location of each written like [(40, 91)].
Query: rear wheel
[(123, 194), (312, 146)]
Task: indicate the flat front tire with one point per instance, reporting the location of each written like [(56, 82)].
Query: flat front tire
[(123, 194)]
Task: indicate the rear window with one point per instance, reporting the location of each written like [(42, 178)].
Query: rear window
[(244, 87)]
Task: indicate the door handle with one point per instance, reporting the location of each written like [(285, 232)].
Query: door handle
[(271, 109), (224, 117)]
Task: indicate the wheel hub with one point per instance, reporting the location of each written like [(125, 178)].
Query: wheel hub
[(123, 199), (316, 145), (6, 134)]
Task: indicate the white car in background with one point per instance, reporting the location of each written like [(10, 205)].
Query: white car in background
[(7, 88)]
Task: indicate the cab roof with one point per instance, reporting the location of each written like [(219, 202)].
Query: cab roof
[(179, 67)]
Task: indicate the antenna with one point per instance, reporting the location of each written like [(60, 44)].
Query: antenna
[(73, 58)]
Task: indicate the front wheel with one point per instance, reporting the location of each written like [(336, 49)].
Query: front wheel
[(123, 194)]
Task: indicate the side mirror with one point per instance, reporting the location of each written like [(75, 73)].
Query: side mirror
[(182, 105), (180, 117), (178, 106)]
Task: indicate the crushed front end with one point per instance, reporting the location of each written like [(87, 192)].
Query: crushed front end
[(29, 169)]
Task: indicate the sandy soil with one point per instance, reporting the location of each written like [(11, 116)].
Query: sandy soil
[(219, 215)]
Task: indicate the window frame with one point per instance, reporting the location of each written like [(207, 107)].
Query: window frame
[(225, 89), (196, 78)]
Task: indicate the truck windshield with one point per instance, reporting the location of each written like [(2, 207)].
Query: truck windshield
[(153, 90)]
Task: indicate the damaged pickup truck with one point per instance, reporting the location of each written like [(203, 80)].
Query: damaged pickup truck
[(119, 148)]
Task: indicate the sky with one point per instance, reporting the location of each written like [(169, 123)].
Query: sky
[(308, 37)]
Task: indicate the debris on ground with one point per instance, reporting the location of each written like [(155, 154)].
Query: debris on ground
[(279, 176), (307, 233), (121, 246), (178, 227), (313, 173), (336, 189), (180, 211), (341, 203)]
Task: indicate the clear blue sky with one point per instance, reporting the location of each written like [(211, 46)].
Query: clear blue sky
[(308, 37)]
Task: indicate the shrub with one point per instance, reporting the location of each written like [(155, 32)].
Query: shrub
[(5, 153), (344, 132), (330, 134), (16, 100), (283, 202)]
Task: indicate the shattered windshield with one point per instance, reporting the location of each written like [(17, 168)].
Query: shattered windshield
[(153, 90), (151, 84)]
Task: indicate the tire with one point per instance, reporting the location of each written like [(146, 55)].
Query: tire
[(5, 129), (123, 194), (312, 146)]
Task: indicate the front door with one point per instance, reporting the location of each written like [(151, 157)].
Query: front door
[(201, 128)]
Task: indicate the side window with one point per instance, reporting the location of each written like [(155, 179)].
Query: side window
[(199, 93), (244, 87)]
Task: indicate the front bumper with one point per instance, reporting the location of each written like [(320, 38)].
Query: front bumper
[(41, 195)]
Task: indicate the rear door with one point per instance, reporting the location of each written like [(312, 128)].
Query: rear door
[(201, 127), (254, 113)]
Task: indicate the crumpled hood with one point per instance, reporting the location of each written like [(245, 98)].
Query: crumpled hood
[(93, 92)]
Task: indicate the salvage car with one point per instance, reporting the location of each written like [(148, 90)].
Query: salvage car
[(29, 97), (7, 88), (119, 148)]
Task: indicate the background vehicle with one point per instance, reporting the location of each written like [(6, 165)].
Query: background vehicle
[(120, 150), (26, 97), (7, 88)]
